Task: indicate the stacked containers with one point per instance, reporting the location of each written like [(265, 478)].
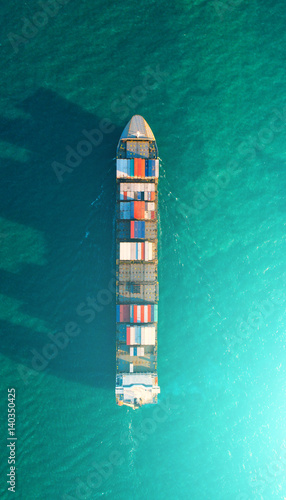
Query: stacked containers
[(144, 335), (136, 351), (137, 229), (135, 191), (123, 313), (136, 251), (124, 209), (137, 167), (137, 208)]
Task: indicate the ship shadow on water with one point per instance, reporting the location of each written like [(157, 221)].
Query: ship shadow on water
[(68, 230)]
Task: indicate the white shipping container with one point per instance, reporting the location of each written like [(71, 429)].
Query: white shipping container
[(131, 251), (123, 251), (138, 314), (146, 254), (150, 251), (145, 314), (126, 251), (132, 335), (149, 336), (131, 367), (131, 351), (157, 170)]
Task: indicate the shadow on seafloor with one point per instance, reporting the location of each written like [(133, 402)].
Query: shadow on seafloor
[(78, 235)]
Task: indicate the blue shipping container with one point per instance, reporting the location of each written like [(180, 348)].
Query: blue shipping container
[(117, 313), (153, 168), (131, 314)]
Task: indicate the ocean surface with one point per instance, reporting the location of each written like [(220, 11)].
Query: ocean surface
[(209, 77)]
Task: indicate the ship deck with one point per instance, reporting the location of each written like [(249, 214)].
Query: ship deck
[(137, 289)]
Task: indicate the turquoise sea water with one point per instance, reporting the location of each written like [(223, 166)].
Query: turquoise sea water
[(217, 107)]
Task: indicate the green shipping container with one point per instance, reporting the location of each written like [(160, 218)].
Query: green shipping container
[(131, 167)]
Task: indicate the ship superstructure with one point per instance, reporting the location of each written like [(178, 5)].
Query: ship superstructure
[(137, 289)]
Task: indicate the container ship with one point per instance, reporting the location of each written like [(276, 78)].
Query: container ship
[(137, 289)]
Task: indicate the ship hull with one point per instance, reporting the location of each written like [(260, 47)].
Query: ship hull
[(137, 289)]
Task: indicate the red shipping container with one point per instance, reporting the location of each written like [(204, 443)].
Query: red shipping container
[(142, 314), (128, 335), (121, 313), (142, 168), (132, 228), (135, 314), (136, 209), (139, 209), (152, 214), (152, 195), (136, 167), (149, 314), (125, 195), (142, 251)]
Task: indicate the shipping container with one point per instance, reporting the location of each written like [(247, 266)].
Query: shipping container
[(149, 313), (156, 313)]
